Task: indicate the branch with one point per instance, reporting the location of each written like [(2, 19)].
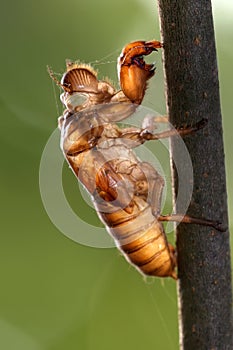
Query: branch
[(205, 295)]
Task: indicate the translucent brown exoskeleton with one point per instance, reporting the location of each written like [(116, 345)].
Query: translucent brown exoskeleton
[(126, 191)]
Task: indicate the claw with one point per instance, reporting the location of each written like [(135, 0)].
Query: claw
[(219, 226), (133, 71), (202, 123)]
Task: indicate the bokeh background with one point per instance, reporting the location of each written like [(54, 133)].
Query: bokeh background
[(56, 294)]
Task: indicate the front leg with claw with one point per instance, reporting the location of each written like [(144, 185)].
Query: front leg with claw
[(133, 71)]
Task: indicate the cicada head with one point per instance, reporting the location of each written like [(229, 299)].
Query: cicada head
[(82, 88)]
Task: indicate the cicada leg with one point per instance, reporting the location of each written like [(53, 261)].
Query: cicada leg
[(182, 131), (191, 220), (139, 136), (155, 183), (133, 71)]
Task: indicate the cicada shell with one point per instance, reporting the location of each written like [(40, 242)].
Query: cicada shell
[(125, 190)]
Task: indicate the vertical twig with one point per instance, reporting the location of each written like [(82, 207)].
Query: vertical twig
[(205, 295)]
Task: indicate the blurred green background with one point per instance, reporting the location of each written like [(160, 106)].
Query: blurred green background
[(56, 294)]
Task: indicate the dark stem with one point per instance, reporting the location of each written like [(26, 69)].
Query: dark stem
[(205, 295)]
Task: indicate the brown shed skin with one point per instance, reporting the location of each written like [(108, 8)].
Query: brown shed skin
[(125, 190)]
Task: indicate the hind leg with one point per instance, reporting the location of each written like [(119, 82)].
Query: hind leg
[(191, 220)]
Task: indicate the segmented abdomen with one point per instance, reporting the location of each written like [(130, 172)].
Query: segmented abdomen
[(119, 184)]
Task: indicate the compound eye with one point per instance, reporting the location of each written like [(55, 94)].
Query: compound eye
[(72, 101)]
